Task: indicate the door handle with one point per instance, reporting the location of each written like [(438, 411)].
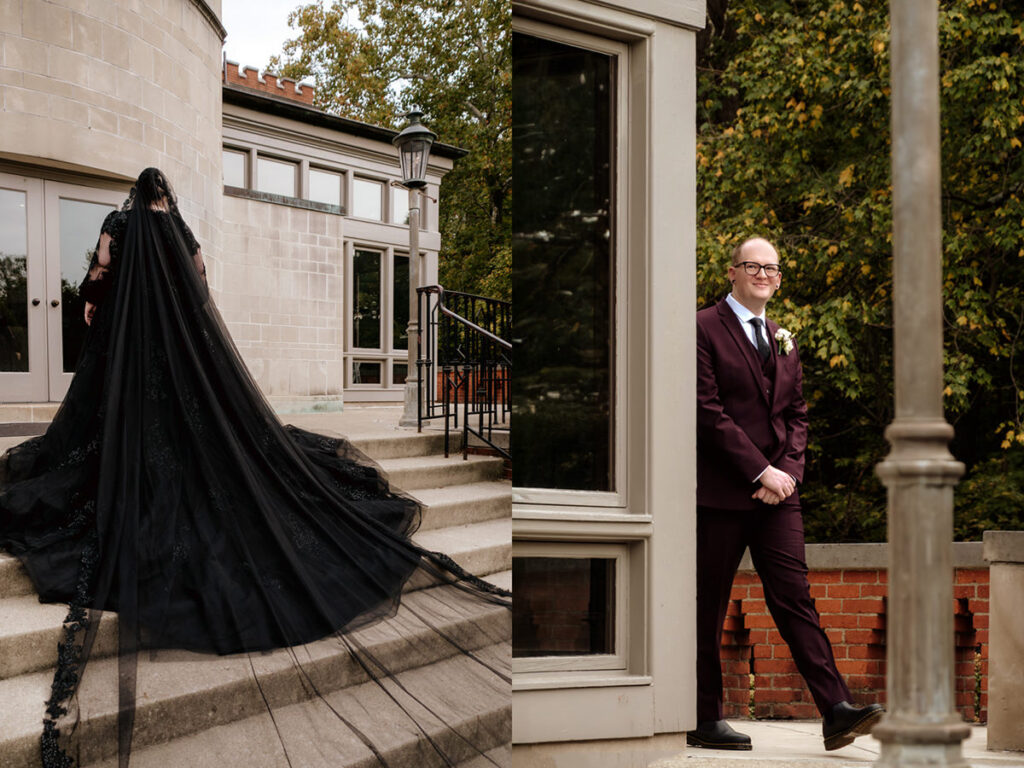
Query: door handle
[(35, 302), (54, 303)]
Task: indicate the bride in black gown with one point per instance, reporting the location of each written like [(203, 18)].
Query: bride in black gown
[(166, 489)]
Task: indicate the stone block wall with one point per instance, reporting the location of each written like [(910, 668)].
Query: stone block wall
[(109, 87), (852, 604), (280, 286)]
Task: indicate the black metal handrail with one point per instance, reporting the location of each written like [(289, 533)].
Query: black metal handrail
[(464, 358)]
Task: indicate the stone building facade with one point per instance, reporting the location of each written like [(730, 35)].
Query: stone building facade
[(304, 275)]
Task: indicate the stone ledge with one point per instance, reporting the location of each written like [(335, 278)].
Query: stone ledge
[(292, 202), (1004, 546), (826, 557)]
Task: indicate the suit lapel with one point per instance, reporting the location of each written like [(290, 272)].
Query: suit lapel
[(746, 349), (774, 345)]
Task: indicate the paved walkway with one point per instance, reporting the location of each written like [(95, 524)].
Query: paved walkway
[(798, 743)]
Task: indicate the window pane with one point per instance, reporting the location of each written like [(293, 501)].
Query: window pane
[(276, 176), (564, 606), (366, 299), (398, 373), (79, 228), (400, 303), (563, 266), (13, 281), (399, 205), (324, 186), (365, 372), (234, 168), (366, 199)]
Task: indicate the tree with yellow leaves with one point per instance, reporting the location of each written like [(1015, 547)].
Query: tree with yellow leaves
[(793, 144)]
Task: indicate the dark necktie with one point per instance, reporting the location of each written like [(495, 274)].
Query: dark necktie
[(762, 343)]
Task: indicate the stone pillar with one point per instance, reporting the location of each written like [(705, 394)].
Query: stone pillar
[(410, 411), (1004, 551), (921, 727)]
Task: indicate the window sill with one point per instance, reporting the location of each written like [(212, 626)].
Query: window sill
[(535, 681), (291, 202)]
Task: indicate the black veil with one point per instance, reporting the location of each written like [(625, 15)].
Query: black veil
[(167, 491)]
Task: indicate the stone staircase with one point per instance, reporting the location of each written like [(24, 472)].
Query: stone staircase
[(202, 711)]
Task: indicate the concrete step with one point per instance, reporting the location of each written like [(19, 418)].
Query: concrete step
[(480, 548), (411, 474), (30, 632), (404, 444), (397, 446), (14, 581), (10, 412), (9, 441), (181, 693), (475, 703), (463, 504), (501, 756), (501, 579)]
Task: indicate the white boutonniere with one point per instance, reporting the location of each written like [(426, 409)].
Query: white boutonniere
[(785, 340)]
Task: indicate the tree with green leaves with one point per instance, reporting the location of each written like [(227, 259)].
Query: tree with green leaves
[(793, 144), (372, 60)]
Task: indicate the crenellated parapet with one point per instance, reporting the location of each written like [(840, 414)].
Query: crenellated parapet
[(268, 83)]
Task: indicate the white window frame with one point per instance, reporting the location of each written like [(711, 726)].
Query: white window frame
[(322, 168), (575, 503), (296, 162), (618, 659), (387, 354), (247, 153), (385, 203)]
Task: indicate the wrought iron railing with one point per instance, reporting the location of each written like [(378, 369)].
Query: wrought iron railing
[(465, 362)]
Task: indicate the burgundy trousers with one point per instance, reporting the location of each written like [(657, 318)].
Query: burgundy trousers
[(775, 536)]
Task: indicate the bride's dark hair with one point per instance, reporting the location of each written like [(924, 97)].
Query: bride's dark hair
[(149, 188)]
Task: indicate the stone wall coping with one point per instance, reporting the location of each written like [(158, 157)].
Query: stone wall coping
[(826, 557), (293, 202), (1004, 546)]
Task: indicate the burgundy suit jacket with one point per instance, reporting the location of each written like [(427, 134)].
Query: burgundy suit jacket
[(740, 428)]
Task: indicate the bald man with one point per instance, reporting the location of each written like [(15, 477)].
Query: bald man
[(751, 436)]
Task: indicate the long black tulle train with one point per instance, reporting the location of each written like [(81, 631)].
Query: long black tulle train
[(166, 490)]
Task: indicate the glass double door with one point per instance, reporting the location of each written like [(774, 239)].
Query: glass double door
[(47, 232)]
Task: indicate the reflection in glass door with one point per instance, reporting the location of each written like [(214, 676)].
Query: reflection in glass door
[(378, 336), (14, 350), (80, 224), (563, 274), (73, 218), (22, 312)]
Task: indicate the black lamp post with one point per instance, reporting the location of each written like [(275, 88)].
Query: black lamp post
[(414, 148), (414, 151)]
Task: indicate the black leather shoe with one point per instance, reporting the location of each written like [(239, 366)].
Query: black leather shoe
[(845, 722), (717, 734)]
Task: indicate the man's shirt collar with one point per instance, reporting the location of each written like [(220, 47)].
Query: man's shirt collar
[(744, 314)]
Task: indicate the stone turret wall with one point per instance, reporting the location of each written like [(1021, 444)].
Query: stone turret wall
[(107, 87)]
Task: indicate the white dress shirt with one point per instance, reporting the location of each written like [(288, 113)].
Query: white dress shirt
[(745, 316)]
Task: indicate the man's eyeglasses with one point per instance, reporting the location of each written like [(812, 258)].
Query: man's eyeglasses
[(752, 268)]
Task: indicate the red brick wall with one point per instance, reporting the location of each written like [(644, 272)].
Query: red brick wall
[(285, 88), (852, 605), (498, 384)]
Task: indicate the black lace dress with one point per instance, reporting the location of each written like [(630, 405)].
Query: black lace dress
[(166, 489)]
